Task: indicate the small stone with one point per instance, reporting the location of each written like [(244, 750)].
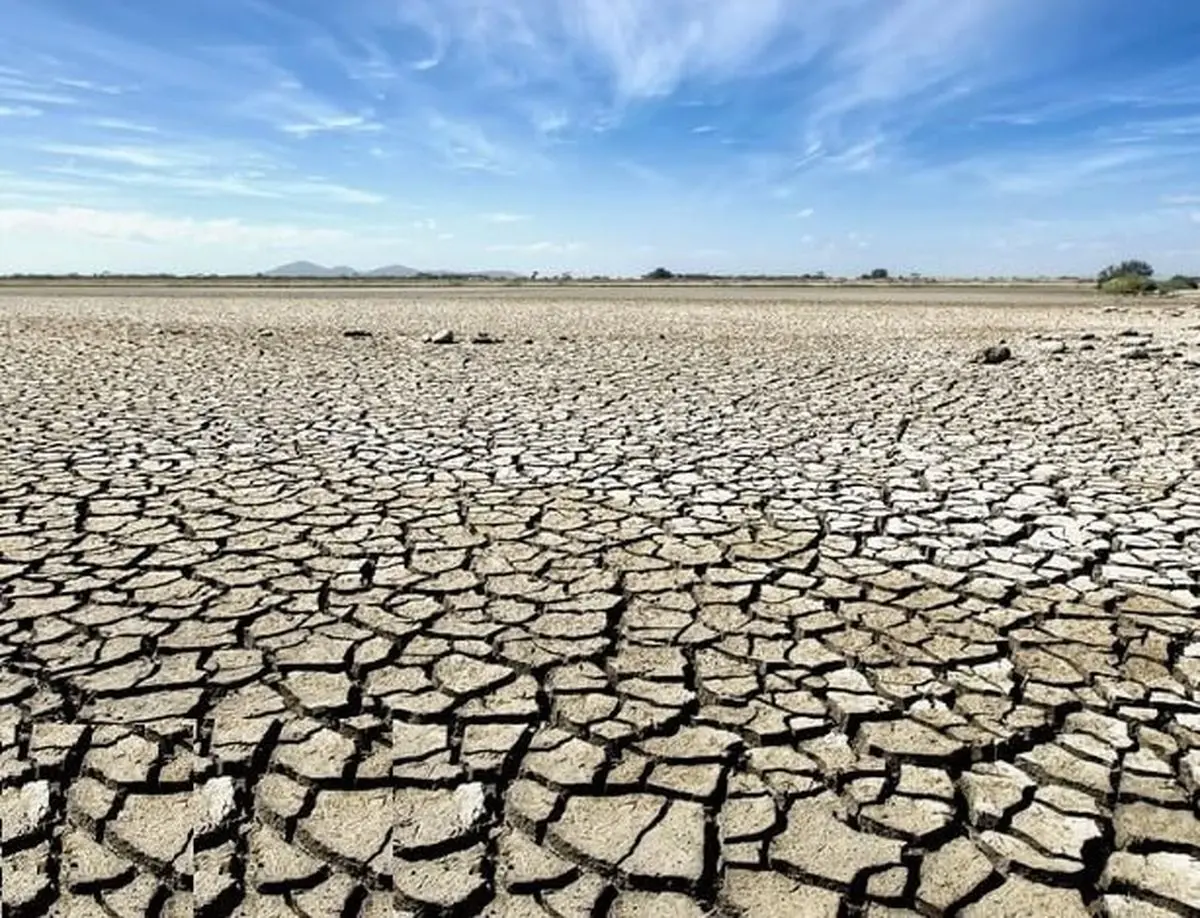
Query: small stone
[(443, 337), (997, 353)]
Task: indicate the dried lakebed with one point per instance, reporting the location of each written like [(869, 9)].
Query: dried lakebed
[(667, 603)]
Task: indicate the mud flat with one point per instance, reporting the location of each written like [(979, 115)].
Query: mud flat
[(666, 602)]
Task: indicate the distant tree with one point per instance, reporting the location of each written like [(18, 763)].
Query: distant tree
[(659, 274), (876, 274), (1133, 267)]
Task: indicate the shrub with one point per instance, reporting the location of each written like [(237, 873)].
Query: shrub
[(659, 274), (1128, 285), (1180, 282)]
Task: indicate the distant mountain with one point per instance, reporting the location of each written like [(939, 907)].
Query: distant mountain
[(308, 269), (311, 269), (392, 271)]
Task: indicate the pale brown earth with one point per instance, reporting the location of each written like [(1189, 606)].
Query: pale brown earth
[(672, 603)]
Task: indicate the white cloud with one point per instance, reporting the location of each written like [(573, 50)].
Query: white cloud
[(650, 47), (1057, 171), (469, 146), (136, 226), (121, 124), (89, 86), (331, 123), (504, 218), (532, 248), (19, 111), (235, 185), (804, 214), (142, 156)]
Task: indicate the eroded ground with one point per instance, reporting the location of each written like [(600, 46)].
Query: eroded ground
[(710, 602)]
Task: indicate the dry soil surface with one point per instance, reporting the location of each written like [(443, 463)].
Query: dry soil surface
[(678, 603)]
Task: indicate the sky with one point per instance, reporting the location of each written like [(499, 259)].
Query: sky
[(946, 137)]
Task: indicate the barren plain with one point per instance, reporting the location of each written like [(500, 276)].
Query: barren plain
[(670, 602)]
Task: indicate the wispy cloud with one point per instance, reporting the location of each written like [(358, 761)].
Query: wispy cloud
[(330, 123), (500, 217), (143, 156), (19, 111), (135, 226), (536, 248), (121, 124), (234, 185)]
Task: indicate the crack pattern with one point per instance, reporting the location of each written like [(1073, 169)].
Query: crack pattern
[(756, 607)]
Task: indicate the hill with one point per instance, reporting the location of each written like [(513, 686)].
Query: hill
[(311, 269)]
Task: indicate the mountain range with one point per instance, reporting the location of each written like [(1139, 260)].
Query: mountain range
[(311, 269)]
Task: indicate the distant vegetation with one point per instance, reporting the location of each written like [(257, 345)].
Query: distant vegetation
[(876, 274), (1179, 282), (1134, 277)]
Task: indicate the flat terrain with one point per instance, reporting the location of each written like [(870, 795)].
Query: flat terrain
[(674, 602)]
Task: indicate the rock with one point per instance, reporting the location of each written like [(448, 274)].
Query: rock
[(1056, 347), (1137, 353), (484, 338), (356, 333), (997, 353), (443, 337)]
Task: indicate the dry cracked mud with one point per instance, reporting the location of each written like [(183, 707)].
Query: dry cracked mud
[(708, 602)]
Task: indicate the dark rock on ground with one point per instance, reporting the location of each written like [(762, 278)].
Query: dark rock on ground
[(997, 353)]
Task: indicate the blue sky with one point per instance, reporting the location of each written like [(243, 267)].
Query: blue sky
[(969, 137)]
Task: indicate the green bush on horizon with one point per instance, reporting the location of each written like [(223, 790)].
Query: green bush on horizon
[(1128, 285), (1179, 282)]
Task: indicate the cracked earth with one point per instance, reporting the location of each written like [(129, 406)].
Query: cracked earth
[(671, 603)]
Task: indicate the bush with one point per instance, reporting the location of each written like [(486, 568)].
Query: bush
[(1180, 282), (659, 274), (876, 274), (1129, 285), (1133, 267)]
